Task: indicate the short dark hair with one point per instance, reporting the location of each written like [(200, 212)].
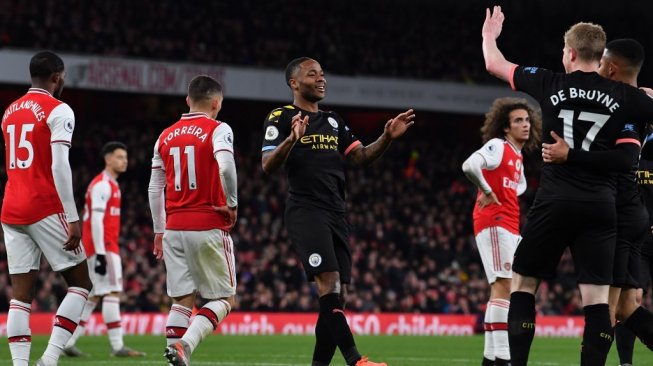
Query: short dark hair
[(203, 87), (44, 64), (628, 50), (293, 67), (112, 146)]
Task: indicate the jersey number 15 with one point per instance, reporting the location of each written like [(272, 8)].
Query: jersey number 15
[(23, 143)]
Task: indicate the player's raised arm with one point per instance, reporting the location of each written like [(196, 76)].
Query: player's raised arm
[(273, 157), (393, 129), (495, 63)]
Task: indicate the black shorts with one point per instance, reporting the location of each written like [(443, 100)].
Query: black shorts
[(587, 228), (632, 226), (321, 239)]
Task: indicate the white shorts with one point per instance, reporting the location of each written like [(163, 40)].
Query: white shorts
[(199, 260), (111, 281), (25, 243), (497, 246)]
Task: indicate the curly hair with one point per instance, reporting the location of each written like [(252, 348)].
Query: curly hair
[(497, 119)]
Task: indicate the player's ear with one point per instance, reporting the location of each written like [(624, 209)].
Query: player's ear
[(188, 101), (572, 54), (613, 69), (293, 84)]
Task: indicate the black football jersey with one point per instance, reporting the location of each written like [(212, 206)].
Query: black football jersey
[(589, 112), (315, 165)]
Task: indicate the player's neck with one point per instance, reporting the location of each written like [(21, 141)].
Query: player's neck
[(306, 105), (515, 143), (112, 173), (46, 87), (201, 110), (584, 67)]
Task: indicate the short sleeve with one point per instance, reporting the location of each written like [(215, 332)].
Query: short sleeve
[(223, 138), (630, 134), (157, 162), (531, 80), (276, 128), (62, 124), (100, 195), (492, 152), (347, 142)]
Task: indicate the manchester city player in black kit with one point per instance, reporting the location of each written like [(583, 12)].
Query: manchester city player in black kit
[(574, 206), (621, 61), (310, 144)]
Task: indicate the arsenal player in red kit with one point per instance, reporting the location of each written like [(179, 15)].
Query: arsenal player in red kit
[(38, 209), (100, 238), (194, 177), (511, 125)]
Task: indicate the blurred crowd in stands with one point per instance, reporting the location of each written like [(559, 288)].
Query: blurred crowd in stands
[(410, 39), (410, 214)]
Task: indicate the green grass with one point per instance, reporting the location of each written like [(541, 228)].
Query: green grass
[(296, 350)]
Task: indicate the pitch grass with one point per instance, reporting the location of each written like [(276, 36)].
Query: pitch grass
[(296, 350)]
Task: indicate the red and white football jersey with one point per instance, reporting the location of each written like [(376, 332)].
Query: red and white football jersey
[(503, 173), (185, 151), (103, 194), (29, 126)]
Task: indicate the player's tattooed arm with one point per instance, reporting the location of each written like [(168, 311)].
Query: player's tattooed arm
[(393, 129), (274, 159), (495, 63)]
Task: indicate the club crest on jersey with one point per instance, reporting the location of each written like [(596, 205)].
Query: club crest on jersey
[(315, 260), (333, 122), (271, 133)]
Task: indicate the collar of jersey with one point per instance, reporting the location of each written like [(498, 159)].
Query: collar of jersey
[(39, 91), (194, 115), (513, 146)]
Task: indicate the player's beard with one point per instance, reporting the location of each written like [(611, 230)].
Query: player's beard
[(311, 97), (57, 92)]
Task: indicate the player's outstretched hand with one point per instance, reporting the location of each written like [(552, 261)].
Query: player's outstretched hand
[(555, 153), (158, 246), (231, 213), (397, 126), (298, 126), (488, 199), (74, 237), (493, 23)]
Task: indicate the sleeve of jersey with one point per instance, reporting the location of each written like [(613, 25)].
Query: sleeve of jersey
[(275, 129), (347, 141), (531, 80), (63, 180), (62, 124), (156, 192), (621, 159), (629, 134), (223, 139), (492, 152), (100, 194), (157, 162)]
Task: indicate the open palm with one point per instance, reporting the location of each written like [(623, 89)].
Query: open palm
[(397, 126)]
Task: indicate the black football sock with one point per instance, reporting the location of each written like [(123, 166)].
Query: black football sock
[(641, 323), (500, 362), (487, 362), (334, 317), (521, 326), (625, 343), (597, 335), (325, 346)]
